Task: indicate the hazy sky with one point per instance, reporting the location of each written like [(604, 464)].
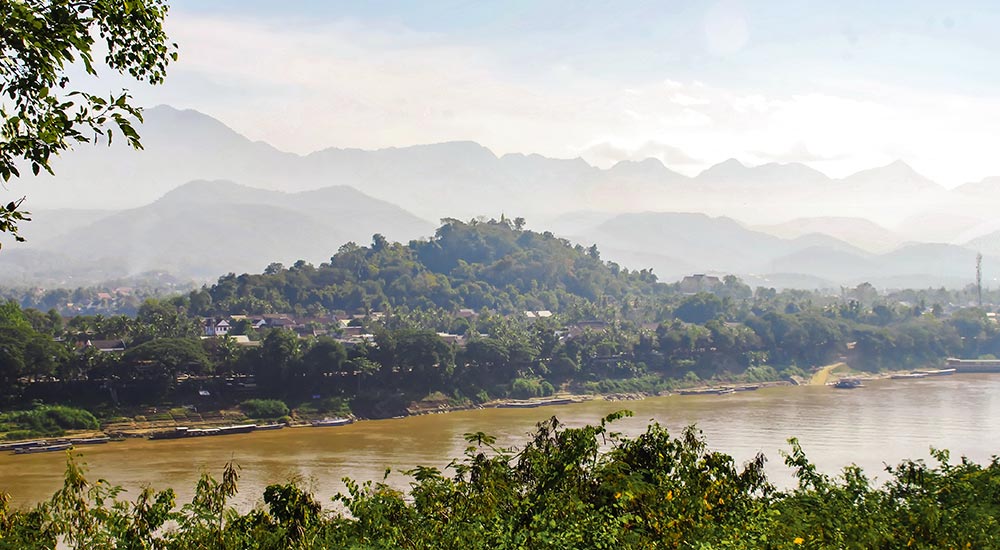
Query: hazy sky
[(838, 85)]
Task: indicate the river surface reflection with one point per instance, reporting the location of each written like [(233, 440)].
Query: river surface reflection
[(884, 422)]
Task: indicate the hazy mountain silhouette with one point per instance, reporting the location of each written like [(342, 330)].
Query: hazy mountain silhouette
[(207, 228), (773, 175), (986, 187), (987, 244), (465, 179), (676, 244), (859, 232), (291, 206), (896, 177)]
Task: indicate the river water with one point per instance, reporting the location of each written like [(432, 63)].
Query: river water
[(884, 422)]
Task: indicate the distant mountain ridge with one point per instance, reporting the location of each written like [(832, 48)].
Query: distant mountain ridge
[(859, 232), (304, 206), (206, 228), (464, 179), (677, 244)]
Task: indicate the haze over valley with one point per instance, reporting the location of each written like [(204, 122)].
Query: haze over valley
[(202, 200), (251, 252)]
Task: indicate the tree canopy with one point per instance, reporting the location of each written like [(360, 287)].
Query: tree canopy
[(41, 112)]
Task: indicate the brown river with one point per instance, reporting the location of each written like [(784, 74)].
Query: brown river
[(885, 421)]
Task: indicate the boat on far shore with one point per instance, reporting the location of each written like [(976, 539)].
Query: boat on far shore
[(182, 432), (90, 440), (935, 372), (43, 449), (535, 403), (176, 433), (848, 384), (332, 422), (715, 391), (270, 426), (24, 444), (908, 375), (237, 429)]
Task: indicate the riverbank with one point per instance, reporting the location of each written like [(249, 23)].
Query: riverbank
[(883, 421), (141, 426), (822, 376)]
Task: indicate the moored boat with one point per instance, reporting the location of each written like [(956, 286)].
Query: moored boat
[(973, 365), (184, 432), (331, 422), (699, 391), (175, 433), (935, 372), (270, 427), (24, 445), (904, 376), (89, 440), (534, 404), (237, 429), (848, 384), (714, 391), (44, 449)]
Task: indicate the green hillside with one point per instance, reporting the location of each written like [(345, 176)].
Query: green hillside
[(492, 264)]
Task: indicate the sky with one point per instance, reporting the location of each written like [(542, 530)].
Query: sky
[(840, 86)]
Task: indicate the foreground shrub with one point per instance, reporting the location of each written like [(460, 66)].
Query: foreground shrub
[(566, 488)]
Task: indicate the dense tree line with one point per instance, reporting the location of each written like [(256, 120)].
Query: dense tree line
[(480, 264), (565, 488), (406, 360), (612, 329), (114, 297)]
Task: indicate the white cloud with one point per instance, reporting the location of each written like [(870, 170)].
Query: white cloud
[(307, 86)]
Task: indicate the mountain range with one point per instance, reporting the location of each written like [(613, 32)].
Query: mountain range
[(201, 200), (678, 244), (206, 228)]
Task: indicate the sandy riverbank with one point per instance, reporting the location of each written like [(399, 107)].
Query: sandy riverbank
[(822, 376), (135, 428)]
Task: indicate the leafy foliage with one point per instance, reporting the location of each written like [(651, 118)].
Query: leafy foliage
[(607, 329), (480, 264), (583, 487), (41, 115), (170, 356), (49, 420), (264, 408)]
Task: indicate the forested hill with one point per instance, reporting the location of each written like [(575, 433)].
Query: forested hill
[(493, 264)]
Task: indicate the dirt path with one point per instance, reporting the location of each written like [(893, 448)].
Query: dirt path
[(823, 374)]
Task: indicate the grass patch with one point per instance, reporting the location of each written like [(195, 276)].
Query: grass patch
[(651, 383), (47, 421), (331, 405), (264, 408)]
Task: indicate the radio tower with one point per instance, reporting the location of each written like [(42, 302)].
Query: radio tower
[(979, 278)]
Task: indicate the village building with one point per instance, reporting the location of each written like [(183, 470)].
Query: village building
[(699, 282), (540, 314), (215, 328), (105, 346)]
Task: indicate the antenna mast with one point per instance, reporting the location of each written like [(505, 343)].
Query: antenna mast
[(979, 278)]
